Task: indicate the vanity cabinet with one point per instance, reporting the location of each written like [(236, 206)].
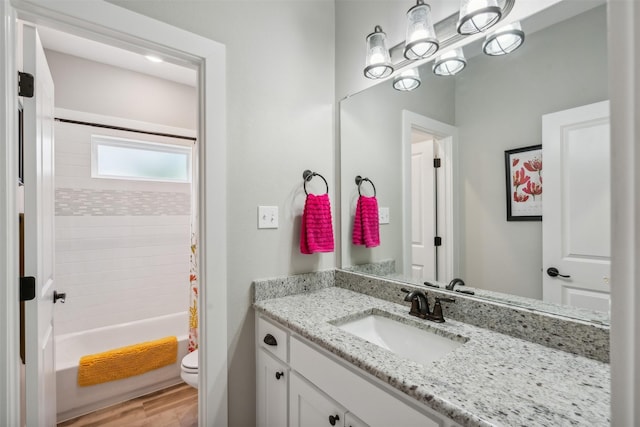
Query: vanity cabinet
[(324, 390)]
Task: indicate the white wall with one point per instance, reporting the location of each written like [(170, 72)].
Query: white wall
[(280, 106), (122, 93)]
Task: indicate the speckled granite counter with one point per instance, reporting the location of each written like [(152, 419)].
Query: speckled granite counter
[(491, 380)]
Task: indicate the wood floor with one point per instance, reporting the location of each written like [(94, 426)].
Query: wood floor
[(176, 406)]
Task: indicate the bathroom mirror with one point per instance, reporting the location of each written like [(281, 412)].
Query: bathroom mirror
[(495, 104)]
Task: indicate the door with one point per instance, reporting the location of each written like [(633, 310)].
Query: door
[(423, 209), (38, 230), (310, 407), (576, 214), (272, 378)]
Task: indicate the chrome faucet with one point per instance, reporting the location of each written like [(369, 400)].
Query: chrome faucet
[(420, 305)]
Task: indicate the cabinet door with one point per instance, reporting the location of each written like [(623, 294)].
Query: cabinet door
[(351, 420), (272, 380), (309, 407)]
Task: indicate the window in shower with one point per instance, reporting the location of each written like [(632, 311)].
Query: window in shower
[(121, 158)]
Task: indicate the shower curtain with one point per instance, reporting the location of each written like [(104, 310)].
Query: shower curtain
[(193, 256)]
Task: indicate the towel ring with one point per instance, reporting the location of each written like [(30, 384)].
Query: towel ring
[(307, 175), (360, 180)]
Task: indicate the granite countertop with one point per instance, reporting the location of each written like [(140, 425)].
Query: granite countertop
[(490, 380)]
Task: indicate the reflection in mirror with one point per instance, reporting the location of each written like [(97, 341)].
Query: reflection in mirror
[(470, 120)]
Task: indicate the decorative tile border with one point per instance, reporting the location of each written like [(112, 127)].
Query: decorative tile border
[(91, 202)]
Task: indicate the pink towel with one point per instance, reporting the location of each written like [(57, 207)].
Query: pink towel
[(366, 225), (316, 232)]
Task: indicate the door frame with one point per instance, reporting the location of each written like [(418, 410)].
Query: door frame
[(112, 24), (624, 80), (447, 210)]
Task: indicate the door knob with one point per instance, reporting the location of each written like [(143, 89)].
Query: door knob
[(279, 375), (62, 296), (333, 419), (553, 272)]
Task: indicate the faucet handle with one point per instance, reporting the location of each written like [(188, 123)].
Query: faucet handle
[(436, 314)]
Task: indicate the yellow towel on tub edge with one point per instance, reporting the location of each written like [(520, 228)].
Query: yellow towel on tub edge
[(127, 361)]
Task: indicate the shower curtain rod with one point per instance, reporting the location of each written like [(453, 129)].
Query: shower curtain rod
[(99, 125)]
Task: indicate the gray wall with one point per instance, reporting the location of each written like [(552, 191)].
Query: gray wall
[(371, 146), (92, 87), (499, 108), (280, 109)]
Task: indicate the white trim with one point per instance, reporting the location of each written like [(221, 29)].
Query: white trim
[(624, 81), (448, 212), (106, 22), (9, 269), (81, 116)]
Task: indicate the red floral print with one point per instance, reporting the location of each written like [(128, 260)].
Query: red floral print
[(515, 162), (533, 189), (520, 178), (519, 198), (534, 165)]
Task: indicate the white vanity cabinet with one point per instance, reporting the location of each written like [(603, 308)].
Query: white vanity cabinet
[(324, 390)]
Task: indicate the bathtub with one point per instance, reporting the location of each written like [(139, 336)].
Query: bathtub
[(73, 400)]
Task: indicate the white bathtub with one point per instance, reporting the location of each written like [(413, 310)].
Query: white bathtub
[(73, 400)]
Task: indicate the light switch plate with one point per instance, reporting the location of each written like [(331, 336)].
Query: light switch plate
[(383, 215), (267, 217)]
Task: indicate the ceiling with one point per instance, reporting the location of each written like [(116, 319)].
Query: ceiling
[(115, 56)]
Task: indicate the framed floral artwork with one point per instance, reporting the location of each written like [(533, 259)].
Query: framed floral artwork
[(524, 183)]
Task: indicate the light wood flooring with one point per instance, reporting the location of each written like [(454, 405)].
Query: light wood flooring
[(175, 406)]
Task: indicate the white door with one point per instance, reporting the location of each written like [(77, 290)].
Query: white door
[(576, 213), (423, 210), (309, 407), (39, 242)]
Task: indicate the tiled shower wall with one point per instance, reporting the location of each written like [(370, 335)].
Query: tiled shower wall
[(122, 246)]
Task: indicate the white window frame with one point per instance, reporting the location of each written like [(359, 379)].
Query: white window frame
[(110, 141)]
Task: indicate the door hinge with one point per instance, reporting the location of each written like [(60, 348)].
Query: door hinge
[(25, 84), (27, 288), (436, 163), (437, 241)]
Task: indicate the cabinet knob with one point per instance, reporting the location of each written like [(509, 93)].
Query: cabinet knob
[(270, 340), (333, 419), (279, 375)]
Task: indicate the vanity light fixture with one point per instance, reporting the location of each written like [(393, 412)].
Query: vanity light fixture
[(407, 80), (504, 40), (477, 16), (378, 64), (450, 63), (421, 40)]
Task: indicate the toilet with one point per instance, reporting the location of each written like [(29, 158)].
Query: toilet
[(189, 369)]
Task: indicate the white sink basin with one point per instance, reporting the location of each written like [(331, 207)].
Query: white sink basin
[(417, 344)]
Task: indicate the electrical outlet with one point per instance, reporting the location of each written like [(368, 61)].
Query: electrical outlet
[(267, 217), (383, 215)]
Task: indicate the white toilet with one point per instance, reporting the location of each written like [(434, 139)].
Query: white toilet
[(189, 369)]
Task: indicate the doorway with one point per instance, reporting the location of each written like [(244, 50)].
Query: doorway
[(106, 21)]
